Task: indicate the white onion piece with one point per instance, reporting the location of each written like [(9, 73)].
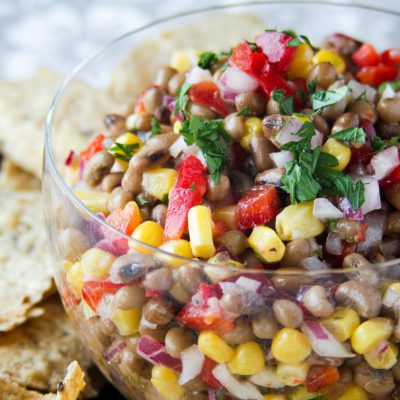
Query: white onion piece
[(358, 89), (197, 74), (241, 390), (334, 244), (248, 284), (267, 378), (385, 161), (324, 209), (372, 194), (391, 296), (192, 363), (374, 232), (287, 132), (313, 263), (280, 158), (195, 151), (323, 342), (239, 81), (177, 147), (317, 139), (388, 93), (105, 307), (144, 322)]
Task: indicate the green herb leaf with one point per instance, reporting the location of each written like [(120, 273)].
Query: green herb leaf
[(331, 224), (253, 45), (312, 86), (213, 141), (395, 84), (123, 152), (354, 192), (380, 144), (207, 59), (226, 53), (297, 39), (165, 198), (155, 127), (286, 104), (325, 98), (350, 134), (182, 100), (141, 201), (245, 111)]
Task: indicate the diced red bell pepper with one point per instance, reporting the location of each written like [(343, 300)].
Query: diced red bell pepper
[(94, 291), (392, 179), (271, 80), (94, 147), (188, 191), (206, 374), (259, 205), (275, 46), (126, 219), (319, 377), (207, 94), (391, 57), (249, 61), (377, 74), (366, 56)]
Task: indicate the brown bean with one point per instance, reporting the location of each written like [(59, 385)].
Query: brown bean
[(234, 241), (365, 110), (392, 194), (163, 75), (335, 110), (159, 214), (132, 180), (72, 243), (296, 251), (271, 176), (97, 337), (365, 271), (111, 181), (160, 279), (143, 122), (240, 182), (97, 167), (233, 302), (323, 74), (287, 313), (291, 279), (345, 121), (375, 381), (196, 385), (320, 124), (195, 396), (152, 99), (255, 102), (190, 276), (389, 109), (387, 130), (177, 340), (347, 230), (261, 148), (217, 191), (201, 112), (158, 311), (241, 333), (316, 302), (115, 124), (392, 225), (129, 297), (158, 334), (396, 371), (264, 326), (234, 126), (272, 124), (118, 199), (107, 326), (131, 362), (175, 83), (272, 107)]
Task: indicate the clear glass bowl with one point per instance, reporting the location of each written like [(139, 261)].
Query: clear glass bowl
[(73, 228)]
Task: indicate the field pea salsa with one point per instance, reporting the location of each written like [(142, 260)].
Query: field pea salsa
[(274, 155)]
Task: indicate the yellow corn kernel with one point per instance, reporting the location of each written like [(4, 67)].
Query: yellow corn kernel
[(290, 346), (126, 139), (165, 381), (75, 277), (292, 375), (338, 150), (177, 126), (266, 244), (248, 359), (267, 378), (226, 214), (200, 227), (384, 360), (297, 222), (332, 57), (148, 232), (252, 126), (180, 247), (218, 273), (215, 347), (370, 333), (273, 396), (96, 263), (130, 121), (301, 62), (158, 181), (126, 321), (391, 294), (183, 60), (86, 310), (342, 323), (354, 392), (96, 202)]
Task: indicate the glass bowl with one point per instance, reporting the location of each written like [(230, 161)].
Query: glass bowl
[(123, 354)]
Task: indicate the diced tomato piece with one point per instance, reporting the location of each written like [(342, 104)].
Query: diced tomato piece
[(207, 94), (126, 219), (392, 179), (271, 80), (320, 377), (249, 61), (207, 375), (366, 56), (377, 74), (94, 147), (154, 294), (219, 228), (259, 205), (391, 57), (275, 46), (94, 291)]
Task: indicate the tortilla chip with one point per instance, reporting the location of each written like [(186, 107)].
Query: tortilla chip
[(13, 391), (37, 354), (25, 262), (72, 384), (14, 178), (137, 71)]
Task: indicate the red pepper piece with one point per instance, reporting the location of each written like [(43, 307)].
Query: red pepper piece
[(391, 57), (207, 375), (126, 219), (188, 191), (207, 94), (366, 56), (94, 147), (271, 80), (249, 61), (392, 179), (94, 291), (320, 377), (360, 237), (377, 74), (259, 205)]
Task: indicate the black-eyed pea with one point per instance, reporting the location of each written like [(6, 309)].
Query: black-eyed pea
[(158, 311), (264, 326), (177, 340), (160, 279), (287, 313), (317, 303)]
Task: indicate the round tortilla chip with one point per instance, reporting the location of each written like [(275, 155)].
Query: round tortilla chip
[(13, 391)]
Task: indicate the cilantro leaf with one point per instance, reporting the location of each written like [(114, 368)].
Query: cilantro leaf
[(395, 84), (350, 134), (122, 151), (226, 53), (286, 104), (213, 141), (312, 86), (207, 59), (253, 45), (325, 98), (245, 111), (155, 127), (354, 192), (379, 144), (297, 39), (182, 100)]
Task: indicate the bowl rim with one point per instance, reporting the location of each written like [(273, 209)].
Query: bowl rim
[(50, 164)]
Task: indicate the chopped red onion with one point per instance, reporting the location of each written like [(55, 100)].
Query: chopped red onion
[(116, 247), (192, 364), (267, 378), (385, 161), (317, 139), (313, 263), (287, 132), (248, 284), (349, 213), (334, 244), (324, 209), (280, 158), (114, 350), (71, 156)]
